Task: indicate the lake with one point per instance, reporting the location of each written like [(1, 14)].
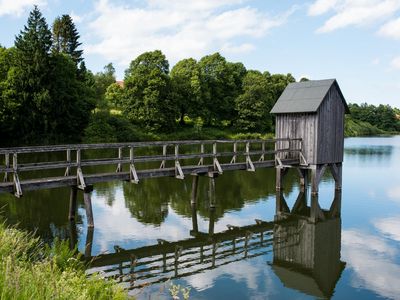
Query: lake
[(150, 235)]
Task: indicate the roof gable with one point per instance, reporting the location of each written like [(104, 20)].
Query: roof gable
[(305, 96)]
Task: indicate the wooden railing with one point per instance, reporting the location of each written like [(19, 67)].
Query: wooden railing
[(244, 154)]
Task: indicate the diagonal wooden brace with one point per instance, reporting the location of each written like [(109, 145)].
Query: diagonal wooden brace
[(178, 170), (80, 180)]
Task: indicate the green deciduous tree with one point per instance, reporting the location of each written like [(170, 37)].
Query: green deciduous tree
[(221, 85), (186, 88), (147, 98), (102, 80), (254, 104)]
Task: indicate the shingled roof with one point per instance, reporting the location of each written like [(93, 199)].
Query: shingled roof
[(305, 96)]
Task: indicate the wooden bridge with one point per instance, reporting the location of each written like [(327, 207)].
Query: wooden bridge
[(136, 161)]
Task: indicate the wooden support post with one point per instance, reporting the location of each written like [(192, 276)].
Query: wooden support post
[(88, 205), (316, 212), (316, 175), (280, 174), (73, 235), (336, 170), (72, 203), (193, 197), (119, 166), (211, 192), (211, 222), (336, 206), (68, 169), (89, 242), (303, 174), (214, 254), (7, 165), (195, 227)]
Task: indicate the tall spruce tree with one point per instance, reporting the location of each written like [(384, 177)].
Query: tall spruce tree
[(66, 38), (31, 76)]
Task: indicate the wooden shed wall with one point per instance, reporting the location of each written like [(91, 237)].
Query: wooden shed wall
[(331, 128), (300, 125)]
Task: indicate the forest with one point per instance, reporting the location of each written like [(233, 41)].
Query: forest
[(47, 95)]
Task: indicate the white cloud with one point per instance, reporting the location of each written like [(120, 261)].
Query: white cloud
[(372, 260), (389, 227), (320, 7), (391, 29), (178, 29), (18, 7), (350, 12)]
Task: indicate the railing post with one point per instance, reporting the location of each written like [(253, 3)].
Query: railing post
[(17, 184), (68, 169), (178, 169), (262, 157), (201, 161), (164, 154), (119, 166), (133, 177), (217, 166), (233, 160), (80, 180), (7, 165), (249, 163)]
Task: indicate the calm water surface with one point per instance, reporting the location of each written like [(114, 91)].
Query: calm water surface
[(356, 256)]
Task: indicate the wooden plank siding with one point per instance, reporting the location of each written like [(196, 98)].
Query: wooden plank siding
[(331, 128), (300, 125)]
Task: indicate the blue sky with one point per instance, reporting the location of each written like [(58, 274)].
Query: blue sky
[(355, 41)]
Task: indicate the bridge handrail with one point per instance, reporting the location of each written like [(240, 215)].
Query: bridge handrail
[(56, 148)]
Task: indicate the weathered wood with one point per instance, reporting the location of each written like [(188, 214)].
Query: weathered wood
[(211, 192), (280, 174), (89, 242), (193, 198), (88, 207), (72, 203)]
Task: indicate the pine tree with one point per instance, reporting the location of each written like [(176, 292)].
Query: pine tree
[(65, 37)]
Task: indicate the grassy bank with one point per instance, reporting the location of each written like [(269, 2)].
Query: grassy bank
[(31, 270)]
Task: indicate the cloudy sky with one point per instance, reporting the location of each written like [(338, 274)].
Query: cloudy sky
[(355, 41)]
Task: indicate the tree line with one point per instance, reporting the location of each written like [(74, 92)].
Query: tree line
[(47, 95)]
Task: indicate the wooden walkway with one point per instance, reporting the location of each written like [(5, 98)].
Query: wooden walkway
[(136, 161)]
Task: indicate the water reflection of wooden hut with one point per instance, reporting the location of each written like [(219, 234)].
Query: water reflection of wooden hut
[(307, 253)]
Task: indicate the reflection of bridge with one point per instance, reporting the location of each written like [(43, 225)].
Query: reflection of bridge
[(165, 260), (305, 242), (141, 160)]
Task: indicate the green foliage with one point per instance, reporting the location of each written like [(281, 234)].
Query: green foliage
[(29, 270), (44, 97), (360, 128), (221, 84), (186, 88), (148, 100), (114, 95), (383, 117), (254, 104), (65, 38), (107, 128), (102, 80)]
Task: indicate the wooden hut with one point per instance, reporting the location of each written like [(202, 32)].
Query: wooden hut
[(314, 111)]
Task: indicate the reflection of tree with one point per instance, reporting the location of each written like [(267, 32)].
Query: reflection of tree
[(148, 201), (44, 212)]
